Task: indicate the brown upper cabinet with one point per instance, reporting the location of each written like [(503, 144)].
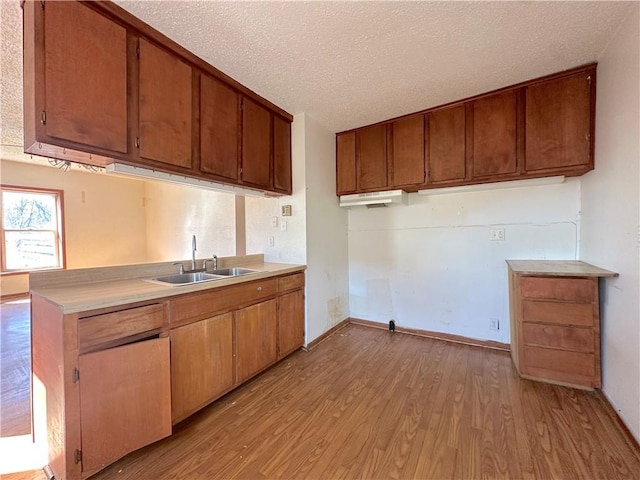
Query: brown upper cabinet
[(406, 154), (493, 135), (537, 128), (256, 144), (559, 123), (446, 147), (75, 88), (371, 151), (164, 106), (101, 86), (219, 128), (346, 163), (281, 154)]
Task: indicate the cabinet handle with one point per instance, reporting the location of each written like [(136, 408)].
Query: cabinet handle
[(259, 289)]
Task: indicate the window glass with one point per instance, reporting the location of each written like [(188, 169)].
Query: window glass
[(31, 236)]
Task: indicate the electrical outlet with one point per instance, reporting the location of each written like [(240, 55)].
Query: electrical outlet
[(494, 324), (274, 222), (283, 226), (496, 235), (272, 241)]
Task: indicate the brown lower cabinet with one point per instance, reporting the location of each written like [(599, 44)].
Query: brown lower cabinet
[(207, 344), (256, 339), (124, 401), (555, 321), (116, 379)]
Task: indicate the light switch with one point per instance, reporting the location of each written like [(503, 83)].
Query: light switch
[(274, 222)]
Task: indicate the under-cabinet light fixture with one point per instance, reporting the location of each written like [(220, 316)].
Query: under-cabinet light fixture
[(148, 174), (529, 182)]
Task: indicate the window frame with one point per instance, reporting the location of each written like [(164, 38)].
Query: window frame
[(59, 233)]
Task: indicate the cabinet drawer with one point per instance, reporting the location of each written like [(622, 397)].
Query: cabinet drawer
[(579, 290), (193, 307), (580, 314), (291, 282), (567, 338), (560, 362), (109, 327)]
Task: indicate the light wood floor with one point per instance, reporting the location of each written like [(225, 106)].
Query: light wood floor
[(369, 404), (15, 367)]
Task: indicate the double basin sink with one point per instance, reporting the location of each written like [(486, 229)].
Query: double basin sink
[(197, 277)]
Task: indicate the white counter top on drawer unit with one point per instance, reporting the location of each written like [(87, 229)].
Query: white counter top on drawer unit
[(560, 268)]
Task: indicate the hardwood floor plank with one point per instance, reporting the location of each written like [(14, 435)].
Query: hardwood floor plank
[(367, 404), (15, 368)]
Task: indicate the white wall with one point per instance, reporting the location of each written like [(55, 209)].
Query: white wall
[(289, 246), (431, 265), (104, 216), (175, 213), (316, 233), (327, 251), (611, 217)]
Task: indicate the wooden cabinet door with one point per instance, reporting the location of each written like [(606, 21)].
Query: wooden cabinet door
[(346, 163), (219, 128), (256, 144), (255, 338), (406, 156), (290, 322), (494, 135), (281, 155), (165, 107), (201, 364), (371, 167), (446, 145), (85, 83), (125, 400), (558, 123)]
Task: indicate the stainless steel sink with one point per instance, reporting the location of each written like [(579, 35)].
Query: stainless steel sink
[(233, 272), (187, 278)]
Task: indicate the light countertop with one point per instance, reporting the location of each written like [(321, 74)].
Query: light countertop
[(560, 268), (90, 289)]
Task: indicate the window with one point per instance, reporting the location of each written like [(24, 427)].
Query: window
[(32, 229)]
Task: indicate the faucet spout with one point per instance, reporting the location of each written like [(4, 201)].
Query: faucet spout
[(193, 253)]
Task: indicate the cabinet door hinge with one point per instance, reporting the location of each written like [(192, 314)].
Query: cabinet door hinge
[(138, 50), (43, 118), (137, 142), (589, 79), (42, 4), (75, 375), (77, 456)]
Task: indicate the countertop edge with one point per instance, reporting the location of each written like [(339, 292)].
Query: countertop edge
[(559, 268), (155, 291)]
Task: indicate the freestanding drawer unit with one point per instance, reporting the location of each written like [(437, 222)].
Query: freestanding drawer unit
[(555, 321)]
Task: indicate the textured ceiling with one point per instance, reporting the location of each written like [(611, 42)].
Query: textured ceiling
[(348, 64), (352, 63)]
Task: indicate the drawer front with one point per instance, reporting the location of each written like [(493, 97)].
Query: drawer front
[(558, 364), (218, 300), (579, 290), (106, 328), (291, 282), (567, 338), (580, 314)]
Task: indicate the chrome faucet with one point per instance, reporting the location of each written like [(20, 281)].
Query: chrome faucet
[(214, 262), (193, 253)]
